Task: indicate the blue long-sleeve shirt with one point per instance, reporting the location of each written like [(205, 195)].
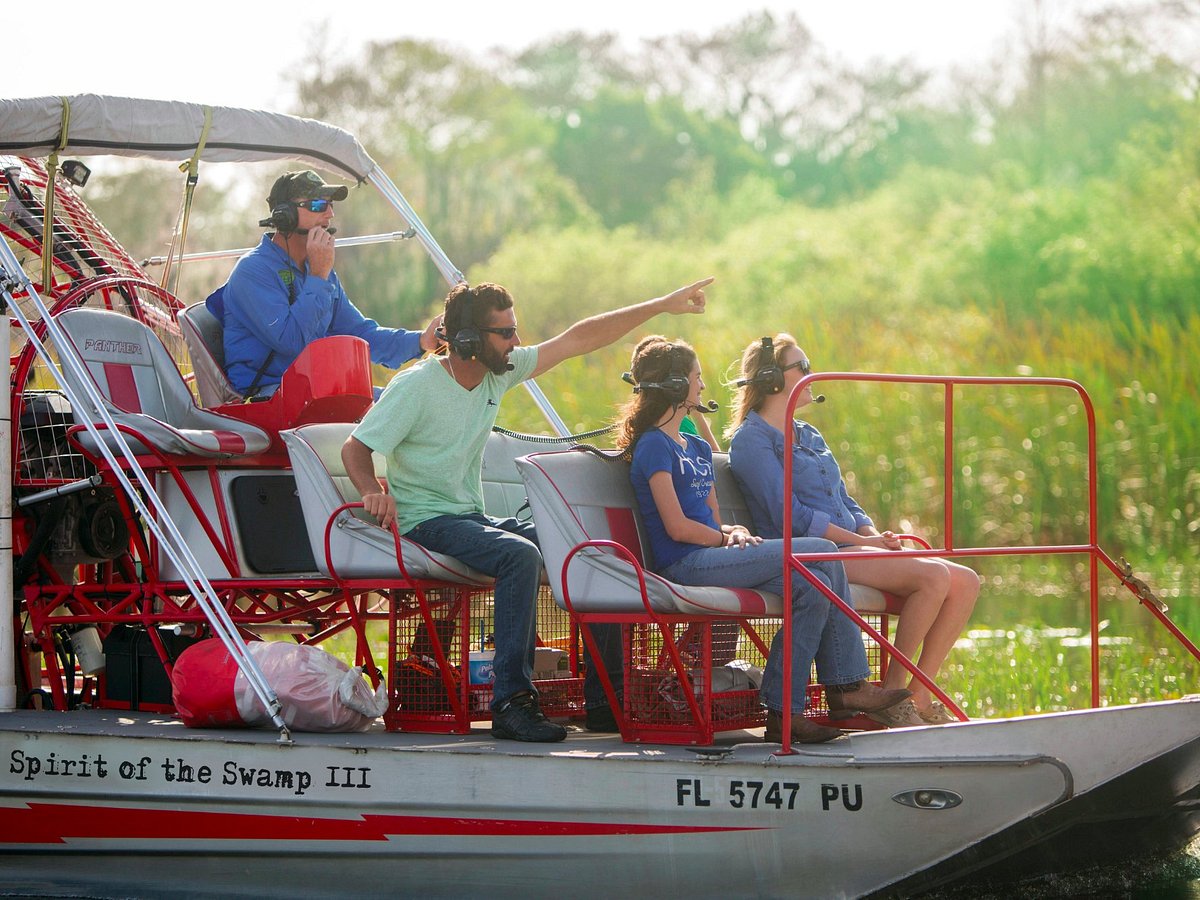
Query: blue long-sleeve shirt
[(819, 495), (259, 318)]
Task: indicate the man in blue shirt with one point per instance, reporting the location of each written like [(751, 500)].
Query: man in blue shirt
[(284, 294)]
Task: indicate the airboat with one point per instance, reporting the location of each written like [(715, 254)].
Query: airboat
[(148, 509)]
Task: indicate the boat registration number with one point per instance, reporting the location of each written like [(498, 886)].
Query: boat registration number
[(781, 795)]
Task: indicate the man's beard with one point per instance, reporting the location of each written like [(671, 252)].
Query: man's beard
[(494, 360)]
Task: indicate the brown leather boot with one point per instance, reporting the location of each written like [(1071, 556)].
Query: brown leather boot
[(846, 700), (804, 731)]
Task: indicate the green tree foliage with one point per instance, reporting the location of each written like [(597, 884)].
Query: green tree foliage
[(466, 147), (623, 150), (1039, 215)]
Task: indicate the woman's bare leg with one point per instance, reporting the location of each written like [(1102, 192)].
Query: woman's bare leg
[(946, 628), (923, 585)]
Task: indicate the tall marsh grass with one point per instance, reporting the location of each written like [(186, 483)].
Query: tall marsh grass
[(1020, 473)]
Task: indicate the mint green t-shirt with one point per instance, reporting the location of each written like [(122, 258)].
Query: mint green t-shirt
[(432, 432)]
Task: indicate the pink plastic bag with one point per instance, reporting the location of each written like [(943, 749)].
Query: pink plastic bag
[(317, 691)]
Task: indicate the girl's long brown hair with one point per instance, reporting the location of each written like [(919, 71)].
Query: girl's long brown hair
[(654, 359)]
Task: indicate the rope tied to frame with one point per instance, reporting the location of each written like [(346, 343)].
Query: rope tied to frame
[(192, 168), (64, 131), (1140, 589)]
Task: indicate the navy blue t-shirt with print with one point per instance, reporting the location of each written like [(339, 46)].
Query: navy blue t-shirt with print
[(691, 469)]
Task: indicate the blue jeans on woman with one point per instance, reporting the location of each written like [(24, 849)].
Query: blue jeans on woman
[(507, 550), (820, 632)]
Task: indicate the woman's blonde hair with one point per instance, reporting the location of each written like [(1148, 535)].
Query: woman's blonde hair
[(750, 395), (655, 359)]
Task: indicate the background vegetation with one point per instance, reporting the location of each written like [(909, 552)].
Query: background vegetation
[(1039, 215)]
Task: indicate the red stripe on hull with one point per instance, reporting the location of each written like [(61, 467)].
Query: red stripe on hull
[(55, 823)]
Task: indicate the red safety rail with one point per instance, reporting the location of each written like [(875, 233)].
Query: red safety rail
[(1096, 556)]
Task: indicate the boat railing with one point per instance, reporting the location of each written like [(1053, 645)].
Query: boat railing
[(1096, 556), (14, 280)]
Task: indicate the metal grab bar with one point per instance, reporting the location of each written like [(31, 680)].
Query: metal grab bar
[(159, 520)]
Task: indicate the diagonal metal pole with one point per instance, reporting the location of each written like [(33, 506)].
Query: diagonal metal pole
[(157, 520), (451, 274)]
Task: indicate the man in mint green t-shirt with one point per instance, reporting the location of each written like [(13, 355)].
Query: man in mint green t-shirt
[(431, 424)]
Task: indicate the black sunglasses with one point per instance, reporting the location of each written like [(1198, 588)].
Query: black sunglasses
[(507, 332), (318, 206), (802, 365)]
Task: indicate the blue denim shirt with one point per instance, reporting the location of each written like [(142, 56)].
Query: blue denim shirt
[(819, 495)]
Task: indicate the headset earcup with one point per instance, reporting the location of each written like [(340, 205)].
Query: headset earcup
[(284, 217), (468, 343), (680, 388)]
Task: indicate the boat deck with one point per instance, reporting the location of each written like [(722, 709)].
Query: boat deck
[(148, 725)]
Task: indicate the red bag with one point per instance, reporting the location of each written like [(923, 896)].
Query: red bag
[(317, 691)]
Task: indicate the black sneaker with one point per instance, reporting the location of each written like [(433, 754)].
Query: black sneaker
[(601, 719), (520, 719)]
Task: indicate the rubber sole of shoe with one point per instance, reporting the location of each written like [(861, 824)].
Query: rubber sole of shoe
[(548, 736)]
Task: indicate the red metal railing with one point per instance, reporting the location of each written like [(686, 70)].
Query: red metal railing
[(794, 562)]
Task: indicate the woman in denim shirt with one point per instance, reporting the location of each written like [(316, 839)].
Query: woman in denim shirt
[(938, 595), (674, 482)]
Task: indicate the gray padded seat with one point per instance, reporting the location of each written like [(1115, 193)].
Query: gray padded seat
[(205, 341), (358, 547), (143, 390), (577, 497)]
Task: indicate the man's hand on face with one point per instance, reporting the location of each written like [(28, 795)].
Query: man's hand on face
[(429, 339), (320, 251)]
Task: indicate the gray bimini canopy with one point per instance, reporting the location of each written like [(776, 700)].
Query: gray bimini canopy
[(93, 125)]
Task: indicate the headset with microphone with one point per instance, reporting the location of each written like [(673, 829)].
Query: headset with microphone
[(285, 218), (675, 387), (466, 342), (770, 376)]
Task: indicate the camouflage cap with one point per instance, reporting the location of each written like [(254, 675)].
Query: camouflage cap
[(307, 185)]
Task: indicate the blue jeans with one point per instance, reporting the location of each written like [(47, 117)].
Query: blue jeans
[(819, 631), (507, 550), (607, 636)]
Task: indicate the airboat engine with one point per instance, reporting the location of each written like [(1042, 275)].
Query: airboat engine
[(80, 522)]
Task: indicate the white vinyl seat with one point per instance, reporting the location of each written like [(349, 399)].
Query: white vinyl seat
[(578, 497), (205, 341), (358, 547), (143, 391)]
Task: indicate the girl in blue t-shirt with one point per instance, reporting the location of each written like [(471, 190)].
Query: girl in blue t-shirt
[(672, 476)]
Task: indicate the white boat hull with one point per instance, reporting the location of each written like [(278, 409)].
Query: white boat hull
[(123, 804)]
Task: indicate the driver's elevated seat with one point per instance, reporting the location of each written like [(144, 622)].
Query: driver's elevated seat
[(205, 339)]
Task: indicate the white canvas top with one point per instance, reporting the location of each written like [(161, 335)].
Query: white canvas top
[(170, 130)]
